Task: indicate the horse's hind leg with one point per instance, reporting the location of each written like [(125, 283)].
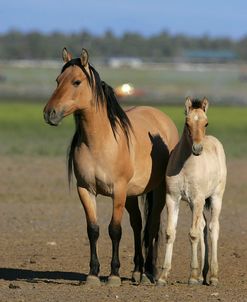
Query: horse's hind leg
[(214, 234), (136, 224), (89, 203)]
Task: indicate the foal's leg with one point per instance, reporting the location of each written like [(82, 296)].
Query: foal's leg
[(136, 224), (194, 235), (89, 203), (115, 232), (214, 234), (172, 205)]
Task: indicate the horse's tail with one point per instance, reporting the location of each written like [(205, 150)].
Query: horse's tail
[(151, 207), (147, 206), (208, 203)]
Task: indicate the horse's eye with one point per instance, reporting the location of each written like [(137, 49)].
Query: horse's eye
[(206, 125), (76, 83), (187, 125)]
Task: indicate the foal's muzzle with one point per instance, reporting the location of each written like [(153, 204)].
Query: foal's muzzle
[(52, 117), (197, 149)]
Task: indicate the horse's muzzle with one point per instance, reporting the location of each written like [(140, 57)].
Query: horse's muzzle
[(52, 117), (197, 149)]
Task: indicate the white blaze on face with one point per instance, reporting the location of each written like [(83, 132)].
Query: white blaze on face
[(196, 118)]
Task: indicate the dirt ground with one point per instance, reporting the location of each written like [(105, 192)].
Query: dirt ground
[(45, 251)]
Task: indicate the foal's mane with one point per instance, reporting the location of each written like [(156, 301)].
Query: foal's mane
[(104, 95), (196, 103)]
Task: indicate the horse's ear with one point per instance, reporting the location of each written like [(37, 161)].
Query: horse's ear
[(84, 57), (66, 55), (205, 104), (188, 105)]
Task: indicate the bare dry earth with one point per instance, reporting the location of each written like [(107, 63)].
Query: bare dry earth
[(45, 251)]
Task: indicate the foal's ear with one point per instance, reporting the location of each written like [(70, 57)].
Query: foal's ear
[(205, 104), (84, 57), (188, 105), (66, 55)]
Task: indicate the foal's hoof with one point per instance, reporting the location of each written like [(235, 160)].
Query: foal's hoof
[(114, 281), (193, 281), (161, 282), (214, 281), (92, 280), (147, 279), (136, 277)]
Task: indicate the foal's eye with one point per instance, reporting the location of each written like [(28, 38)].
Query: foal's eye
[(187, 125), (76, 83), (206, 125)]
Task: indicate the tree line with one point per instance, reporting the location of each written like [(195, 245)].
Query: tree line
[(36, 45)]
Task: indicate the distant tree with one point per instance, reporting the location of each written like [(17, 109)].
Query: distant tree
[(36, 45)]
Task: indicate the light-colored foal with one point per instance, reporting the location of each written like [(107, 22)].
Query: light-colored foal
[(196, 173)]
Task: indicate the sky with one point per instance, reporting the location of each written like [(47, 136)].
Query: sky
[(216, 18)]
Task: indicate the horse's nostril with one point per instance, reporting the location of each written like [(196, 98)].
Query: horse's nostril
[(197, 149), (52, 114)]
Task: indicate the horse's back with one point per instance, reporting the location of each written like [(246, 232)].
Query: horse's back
[(216, 154), (150, 120)]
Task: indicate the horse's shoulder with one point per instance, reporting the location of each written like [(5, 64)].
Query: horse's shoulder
[(212, 140)]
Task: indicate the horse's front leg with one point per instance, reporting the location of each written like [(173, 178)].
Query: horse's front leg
[(195, 235), (89, 203), (115, 232), (214, 234), (172, 205)]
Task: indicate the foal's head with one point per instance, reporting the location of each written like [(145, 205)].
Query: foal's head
[(196, 122), (74, 88)]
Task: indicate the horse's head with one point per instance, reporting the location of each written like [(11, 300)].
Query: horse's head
[(73, 90), (196, 122)]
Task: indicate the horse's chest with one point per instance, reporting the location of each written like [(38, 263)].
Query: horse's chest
[(92, 176)]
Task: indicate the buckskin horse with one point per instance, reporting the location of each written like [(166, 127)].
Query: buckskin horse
[(116, 153), (196, 173)]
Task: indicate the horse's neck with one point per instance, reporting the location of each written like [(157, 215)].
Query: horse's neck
[(93, 125), (184, 147)]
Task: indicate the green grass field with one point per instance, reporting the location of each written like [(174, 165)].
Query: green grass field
[(24, 132)]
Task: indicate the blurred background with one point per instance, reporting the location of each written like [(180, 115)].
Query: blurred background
[(150, 53)]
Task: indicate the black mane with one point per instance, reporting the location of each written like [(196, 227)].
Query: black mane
[(196, 103), (104, 94)]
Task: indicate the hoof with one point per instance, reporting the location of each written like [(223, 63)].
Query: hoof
[(193, 281), (161, 282), (214, 281), (147, 279), (136, 277), (114, 281), (93, 280)]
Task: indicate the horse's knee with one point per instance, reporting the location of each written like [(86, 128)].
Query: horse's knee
[(170, 235), (115, 232), (194, 235), (93, 232)]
